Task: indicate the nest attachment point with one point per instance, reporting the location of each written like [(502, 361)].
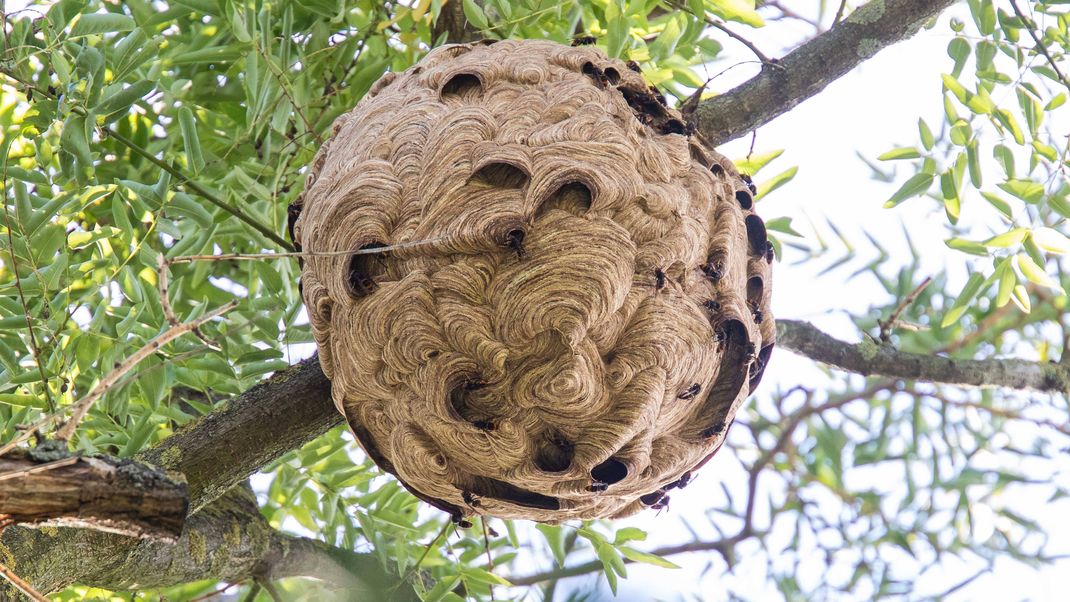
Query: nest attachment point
[(593, 307)]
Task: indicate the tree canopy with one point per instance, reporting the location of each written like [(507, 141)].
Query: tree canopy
[(148, 283)]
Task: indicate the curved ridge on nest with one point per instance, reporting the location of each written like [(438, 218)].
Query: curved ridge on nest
[(595, 307)]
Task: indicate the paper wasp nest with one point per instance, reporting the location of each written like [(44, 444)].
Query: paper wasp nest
[(594, 306)]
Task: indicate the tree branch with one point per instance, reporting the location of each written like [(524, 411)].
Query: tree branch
[(227, 541), (49, 487), (871, 358), (809, 68)]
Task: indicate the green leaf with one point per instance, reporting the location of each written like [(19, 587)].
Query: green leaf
[(190, 140), (122, 98), (961, 133), (902, 152), (1006, 118), (981, 103), (24, 401), (443, 587), (1002, 206), (139, 435), (95, 23), (969, 292), (926, 134), (967, 246), (782, 224), (665, 44), (1020, 296), (917, 185), (1060, 205), (475, 15), (73, 139), (973, 161), (629, 534), (775, 182), (483, 576), (741, 11), (1007, 239), (645, 558), (1005, 158), (952, 84), (1007, 281), (1036, 274), (1027, 190), (1051, 240), (753, 164), (555, 538), (618, 27), (959, 50), (950, 192), (1048, 152)]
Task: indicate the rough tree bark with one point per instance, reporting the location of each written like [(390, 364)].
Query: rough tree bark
[(50, 487), (225, 538), (228, 540), (870, 358)]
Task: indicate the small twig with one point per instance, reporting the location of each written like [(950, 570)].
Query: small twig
[(252, 256), (81, 407), (14, 474), (427, 549), (839, 12), (886, 326), (490, 559), (724, 28), (21, 585), (1031, 26), (165, 301), (161, 284)]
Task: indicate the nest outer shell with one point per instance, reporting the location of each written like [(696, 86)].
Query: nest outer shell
[(594, 307)]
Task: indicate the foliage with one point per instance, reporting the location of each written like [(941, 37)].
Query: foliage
[(138, 130), (998, 110)]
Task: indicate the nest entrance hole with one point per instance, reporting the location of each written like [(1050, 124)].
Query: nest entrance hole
[(573, 197), (499, 175), (364, 269), (462, 85)]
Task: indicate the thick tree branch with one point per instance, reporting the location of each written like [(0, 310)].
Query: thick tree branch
[(871, 358), (49, 487), (452, 22), (809, 68), (228, 541)]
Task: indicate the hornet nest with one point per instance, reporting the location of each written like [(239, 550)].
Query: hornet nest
[(589, 307)]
